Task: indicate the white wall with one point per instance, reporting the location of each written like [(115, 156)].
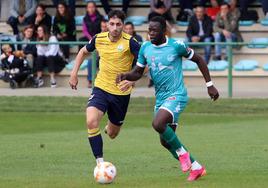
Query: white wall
[(4, 9)]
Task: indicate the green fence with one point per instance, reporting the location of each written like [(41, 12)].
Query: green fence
[(229, 45)]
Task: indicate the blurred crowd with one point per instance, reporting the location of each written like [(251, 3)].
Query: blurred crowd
[(209, 20)]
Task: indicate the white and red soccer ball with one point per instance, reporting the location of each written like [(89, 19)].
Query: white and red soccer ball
[(104, 172)]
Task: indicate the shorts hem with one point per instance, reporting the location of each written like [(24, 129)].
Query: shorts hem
[(164, 108), (99, 108)]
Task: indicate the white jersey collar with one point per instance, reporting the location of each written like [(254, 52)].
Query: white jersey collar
[(162, 45)]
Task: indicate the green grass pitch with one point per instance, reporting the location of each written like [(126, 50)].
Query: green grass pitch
[(43, 143)]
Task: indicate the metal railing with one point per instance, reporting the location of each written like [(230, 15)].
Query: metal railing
[(229, 45)]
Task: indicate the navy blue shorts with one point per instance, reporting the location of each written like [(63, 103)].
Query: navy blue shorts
[(115, 105)]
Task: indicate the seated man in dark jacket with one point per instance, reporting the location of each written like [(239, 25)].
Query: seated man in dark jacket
[(200, 29)]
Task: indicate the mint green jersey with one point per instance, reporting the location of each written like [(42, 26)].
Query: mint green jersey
[(165, 67)]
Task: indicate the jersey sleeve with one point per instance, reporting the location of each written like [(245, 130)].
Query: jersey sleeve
[(184, 50), (141, 58), (134, 48), (91, 45)]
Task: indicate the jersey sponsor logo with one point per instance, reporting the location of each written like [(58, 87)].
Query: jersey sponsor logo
[(120, 47)]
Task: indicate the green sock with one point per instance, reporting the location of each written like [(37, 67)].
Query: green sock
[(175, 155), (173, 152), (171, 138), (192, 159)]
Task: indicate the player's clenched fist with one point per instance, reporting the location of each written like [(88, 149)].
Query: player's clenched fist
[(125, 85), (122, 83), (73, 81), (213, 93)]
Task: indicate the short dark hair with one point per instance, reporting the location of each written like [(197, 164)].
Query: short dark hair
[(161, 21), (42, 6), (225, 3), (199, 5), (104, 20), (92, 2), (118, 14), (129, 23), (28, 27)]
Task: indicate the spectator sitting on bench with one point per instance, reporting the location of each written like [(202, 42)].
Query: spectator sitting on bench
[(48, 55), (91, 22), (200, 29), (41, 17), (226, 29), (21, 12), (28, 50), (64, 27)]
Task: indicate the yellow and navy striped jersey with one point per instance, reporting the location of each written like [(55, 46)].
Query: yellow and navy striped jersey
[(115, 58)]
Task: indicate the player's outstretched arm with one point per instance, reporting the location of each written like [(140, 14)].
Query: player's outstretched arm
[(78, 61), (212, 91), (133, 75)]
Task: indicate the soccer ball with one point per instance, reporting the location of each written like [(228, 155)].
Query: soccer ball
[(104, 172)]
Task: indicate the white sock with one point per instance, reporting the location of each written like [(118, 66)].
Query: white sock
[(196, 166), (181, 151), (99, 160), (52, 80)]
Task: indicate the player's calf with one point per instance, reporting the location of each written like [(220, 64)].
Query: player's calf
[(165, 144)]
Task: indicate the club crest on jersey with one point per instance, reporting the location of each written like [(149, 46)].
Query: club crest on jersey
[(120, 47)]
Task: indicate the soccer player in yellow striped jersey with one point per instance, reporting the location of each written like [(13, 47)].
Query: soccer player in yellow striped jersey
[(118, 51)]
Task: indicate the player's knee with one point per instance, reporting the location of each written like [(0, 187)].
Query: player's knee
[(158, 127), (112, 134), (92, 123)]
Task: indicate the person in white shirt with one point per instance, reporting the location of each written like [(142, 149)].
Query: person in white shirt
[(48, 56)]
